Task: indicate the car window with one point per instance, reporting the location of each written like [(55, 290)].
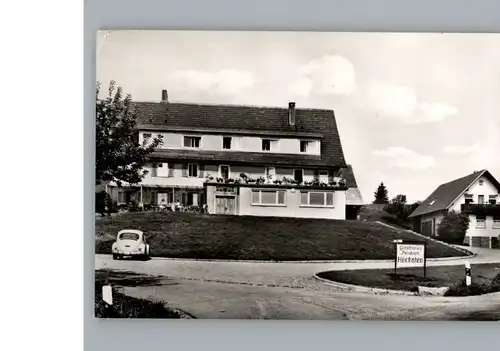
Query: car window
[(129, 236)]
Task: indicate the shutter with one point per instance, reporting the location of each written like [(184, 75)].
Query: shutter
[(201, 170), (184, 170), (171, 169), (316, 175), (154, 170)]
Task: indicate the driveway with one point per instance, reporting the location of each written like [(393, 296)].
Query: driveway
[(209, 289)]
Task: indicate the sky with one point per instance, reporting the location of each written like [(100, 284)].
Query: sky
[(414, 110)]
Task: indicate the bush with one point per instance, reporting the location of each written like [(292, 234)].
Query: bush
[(495, 284), (461, 289), (453, 227)]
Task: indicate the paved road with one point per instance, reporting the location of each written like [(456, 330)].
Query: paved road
[(287, 291)]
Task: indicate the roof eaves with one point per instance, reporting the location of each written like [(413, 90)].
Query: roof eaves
[(465, 189)]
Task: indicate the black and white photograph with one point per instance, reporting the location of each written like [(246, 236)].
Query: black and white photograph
[(297, 175)]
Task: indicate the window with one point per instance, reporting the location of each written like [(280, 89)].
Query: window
[(192, 141), (298, 175), (266, 145), (303, 145), (268, 197), (480, 222), (432, 202), (492, 199), (161, 170), (323, 176), (270, 173), (316, 198), (122, 197), (469, 198), (226, 143), (224, 172), (496, 222), (129, 236), (146, 136), (192, 170), (481, 182), (480, 199)]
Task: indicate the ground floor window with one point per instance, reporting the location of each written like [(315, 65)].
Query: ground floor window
[(122, 197), (269, 197), (496, 222), (480, 222), (316, 198)]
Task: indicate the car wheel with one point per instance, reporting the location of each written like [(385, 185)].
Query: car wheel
[(115, 257)]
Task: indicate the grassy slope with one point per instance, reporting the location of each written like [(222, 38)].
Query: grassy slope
[(410, 278), (185, 235)]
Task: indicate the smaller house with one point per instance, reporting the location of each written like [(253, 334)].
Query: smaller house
[(477, 195), (354, 200)]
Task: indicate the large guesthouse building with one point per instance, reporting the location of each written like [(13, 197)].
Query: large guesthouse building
[(241, 160)]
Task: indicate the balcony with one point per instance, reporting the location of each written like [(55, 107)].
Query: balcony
[(481, 209)]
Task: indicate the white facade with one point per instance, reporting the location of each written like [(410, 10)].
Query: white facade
[(481, 191), (277, 202), (481, 228), (214, 142)]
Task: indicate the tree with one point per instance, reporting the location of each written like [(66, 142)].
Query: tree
[(119, 156), (381, 195), (398, 207), (453, 227)]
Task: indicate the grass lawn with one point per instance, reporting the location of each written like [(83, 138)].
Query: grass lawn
[(187, 235), (410, 278), (125, 306)]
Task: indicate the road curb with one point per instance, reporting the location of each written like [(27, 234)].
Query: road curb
[(437, 259), (365, 289)]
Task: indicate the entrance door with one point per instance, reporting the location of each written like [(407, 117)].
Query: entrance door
[(298, 175), (225, 205), (162, 196)]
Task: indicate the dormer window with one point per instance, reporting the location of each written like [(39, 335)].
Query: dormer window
[(190, 141), (226, 143), (304, 144)]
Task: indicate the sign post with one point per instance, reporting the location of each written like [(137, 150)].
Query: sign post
[(468, 278), (396, 241), (410, 254)]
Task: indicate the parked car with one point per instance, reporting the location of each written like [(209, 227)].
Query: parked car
[(130, 243)]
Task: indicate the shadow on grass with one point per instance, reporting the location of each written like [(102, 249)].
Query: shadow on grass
[(129, 307)]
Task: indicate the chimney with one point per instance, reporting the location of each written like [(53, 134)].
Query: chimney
[(164, 95), (291, 113)]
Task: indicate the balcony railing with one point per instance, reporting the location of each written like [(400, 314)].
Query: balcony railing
[(244, 180), (481, 209)]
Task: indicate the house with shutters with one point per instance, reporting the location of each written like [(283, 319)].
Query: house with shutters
[(477, 195), (241, 160)]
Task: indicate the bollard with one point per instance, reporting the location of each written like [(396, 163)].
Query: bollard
[(107, 294), (468, 278)]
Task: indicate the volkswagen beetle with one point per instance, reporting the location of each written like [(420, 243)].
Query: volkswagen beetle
[(130, 243)]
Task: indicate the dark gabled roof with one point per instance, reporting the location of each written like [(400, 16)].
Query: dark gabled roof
[(353, 195), (350, 179), (313, 123), (443, 197)]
